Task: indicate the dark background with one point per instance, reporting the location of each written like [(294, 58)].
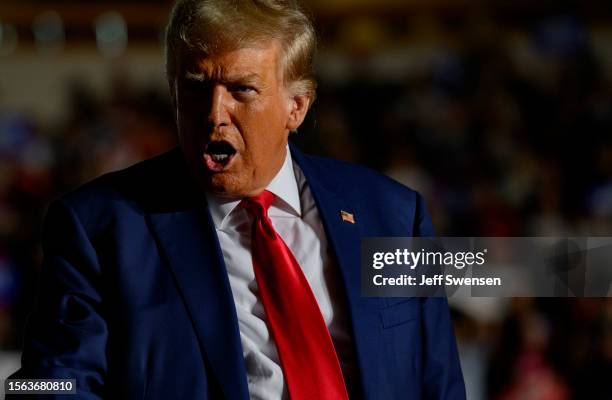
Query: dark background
[(499, 112)]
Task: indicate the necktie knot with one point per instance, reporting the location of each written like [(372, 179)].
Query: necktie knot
[(258, 205)]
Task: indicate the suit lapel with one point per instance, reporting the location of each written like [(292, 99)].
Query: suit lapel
[(187, 238), (345, 240)]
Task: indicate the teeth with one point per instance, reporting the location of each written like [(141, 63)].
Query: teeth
[(219, 157)]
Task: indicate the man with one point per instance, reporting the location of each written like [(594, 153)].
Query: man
[(229, 268)]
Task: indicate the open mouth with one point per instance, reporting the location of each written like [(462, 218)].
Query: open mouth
[(218, 155)]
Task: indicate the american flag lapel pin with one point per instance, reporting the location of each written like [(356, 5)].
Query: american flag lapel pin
[(347, 217)]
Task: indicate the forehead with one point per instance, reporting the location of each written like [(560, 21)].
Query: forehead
[(260, 61)]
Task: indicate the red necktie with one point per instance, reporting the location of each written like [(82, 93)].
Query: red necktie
[(304, 346)]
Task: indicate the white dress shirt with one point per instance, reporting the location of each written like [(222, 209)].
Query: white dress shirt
[(295, 217)]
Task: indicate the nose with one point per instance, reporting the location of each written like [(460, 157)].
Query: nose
[(218, 115)]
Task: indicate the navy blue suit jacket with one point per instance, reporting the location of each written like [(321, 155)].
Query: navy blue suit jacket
[(135, 301)]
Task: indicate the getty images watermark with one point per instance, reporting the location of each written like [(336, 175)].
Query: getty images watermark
[(487, 267)]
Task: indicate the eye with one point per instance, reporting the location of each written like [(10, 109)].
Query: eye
[(244, 89), (195, 87), (244, 93)]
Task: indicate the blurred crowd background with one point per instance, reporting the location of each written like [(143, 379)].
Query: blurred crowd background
[(499, 112)]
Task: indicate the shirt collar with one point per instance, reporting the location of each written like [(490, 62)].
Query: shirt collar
[(284, 187)]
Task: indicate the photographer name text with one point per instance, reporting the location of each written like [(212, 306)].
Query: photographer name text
[(436, 280), (414, 259)]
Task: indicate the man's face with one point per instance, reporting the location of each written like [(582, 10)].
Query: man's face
[(234, 115)]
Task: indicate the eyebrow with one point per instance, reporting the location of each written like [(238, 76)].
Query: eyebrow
[(201, 77)]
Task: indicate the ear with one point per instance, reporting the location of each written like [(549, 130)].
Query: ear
[(298, 107)]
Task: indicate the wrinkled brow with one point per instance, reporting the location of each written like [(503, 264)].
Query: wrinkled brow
[(223, 78)]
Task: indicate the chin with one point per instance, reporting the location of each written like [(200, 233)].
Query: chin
[(224, 185)]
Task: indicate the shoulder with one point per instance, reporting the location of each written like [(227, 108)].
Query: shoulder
[(135, 189), (388, 207), (353, 179)]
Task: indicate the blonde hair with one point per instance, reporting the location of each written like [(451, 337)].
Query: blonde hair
[(213, 26)]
